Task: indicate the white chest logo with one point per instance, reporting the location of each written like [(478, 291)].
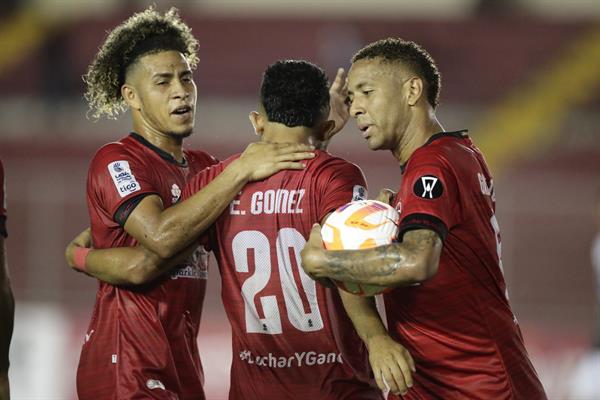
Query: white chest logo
[(175, 192), (123, 178)]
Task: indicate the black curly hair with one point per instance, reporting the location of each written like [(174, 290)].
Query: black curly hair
[(410, 55), (143, 33), (295, 93)]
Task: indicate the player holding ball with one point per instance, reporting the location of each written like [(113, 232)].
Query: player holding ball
[(456, 323)]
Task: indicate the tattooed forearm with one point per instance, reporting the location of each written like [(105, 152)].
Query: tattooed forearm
[(413, 260)]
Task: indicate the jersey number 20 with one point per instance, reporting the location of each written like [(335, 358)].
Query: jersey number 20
[(287, 239)]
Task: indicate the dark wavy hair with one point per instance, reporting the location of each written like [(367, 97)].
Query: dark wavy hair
[(410, 55), (295, 93), (143, 33)]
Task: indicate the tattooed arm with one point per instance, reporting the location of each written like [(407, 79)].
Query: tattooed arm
[(413, 260)]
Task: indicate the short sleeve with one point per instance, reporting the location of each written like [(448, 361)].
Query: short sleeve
[(194, 185), (428, 198), (342, 183), (117, 177), (3, 231)]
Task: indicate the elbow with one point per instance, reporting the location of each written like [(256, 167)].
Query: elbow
[(419, 271), (142, 275), (425, 268), (144, 270), (424, 272), (138, 277)]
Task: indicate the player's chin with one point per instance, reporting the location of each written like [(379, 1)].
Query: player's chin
[(374, 144), (181, 132)]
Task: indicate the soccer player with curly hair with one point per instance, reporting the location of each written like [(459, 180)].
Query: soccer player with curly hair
[(291, 336), (448, 313), (141, 341)]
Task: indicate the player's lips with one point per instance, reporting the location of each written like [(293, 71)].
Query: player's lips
[(184, 111), (364, 128)]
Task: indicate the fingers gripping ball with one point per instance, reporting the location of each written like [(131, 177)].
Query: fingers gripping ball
[(358, 225)]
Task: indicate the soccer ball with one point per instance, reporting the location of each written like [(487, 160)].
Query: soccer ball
[(357, 225)]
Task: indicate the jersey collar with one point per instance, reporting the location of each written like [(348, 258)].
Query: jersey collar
[(163, 154), (456, 134)]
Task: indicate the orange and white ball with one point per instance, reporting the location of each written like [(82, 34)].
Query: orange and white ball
[(358, 225)]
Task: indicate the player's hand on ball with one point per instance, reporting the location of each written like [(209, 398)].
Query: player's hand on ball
[(313, 252), (84, 239), (386, 196), (392, 364), (263, 159)]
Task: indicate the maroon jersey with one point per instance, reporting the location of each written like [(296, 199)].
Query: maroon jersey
[(2, 202), (141, 342), (284, 336), (458, 326)]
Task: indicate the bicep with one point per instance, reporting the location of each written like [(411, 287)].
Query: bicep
[(142, 221), (424, 246)]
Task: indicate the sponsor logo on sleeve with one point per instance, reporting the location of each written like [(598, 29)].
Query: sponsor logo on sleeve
[(123, 178), (359, 193), (428, 187)]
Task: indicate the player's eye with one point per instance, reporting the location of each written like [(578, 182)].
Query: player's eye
[(348, 101)]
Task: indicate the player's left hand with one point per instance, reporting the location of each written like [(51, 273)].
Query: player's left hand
[(339, 111), (84, 239), (392, 364), (313, 253)]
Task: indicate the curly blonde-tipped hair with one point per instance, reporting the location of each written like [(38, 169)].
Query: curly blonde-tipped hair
[(143, 33)]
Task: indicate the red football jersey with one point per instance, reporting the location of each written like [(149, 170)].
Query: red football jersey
[(284, 332), (141, 342), (2, 202), (458, 325)]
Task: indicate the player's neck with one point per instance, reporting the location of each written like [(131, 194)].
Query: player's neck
[(168, 143), (279, 133), (424, 125)]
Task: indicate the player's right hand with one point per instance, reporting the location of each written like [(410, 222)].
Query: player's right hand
[(263, 159), (392, 364), (84, 239)]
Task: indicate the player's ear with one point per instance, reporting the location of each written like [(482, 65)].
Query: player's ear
[(130, 96), (258, 122), (415, 90)]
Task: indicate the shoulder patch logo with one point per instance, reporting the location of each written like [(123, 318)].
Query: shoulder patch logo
[(123, 178), (359, 193), (428, 187)]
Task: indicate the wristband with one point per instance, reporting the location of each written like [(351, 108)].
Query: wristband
[(79, 256)]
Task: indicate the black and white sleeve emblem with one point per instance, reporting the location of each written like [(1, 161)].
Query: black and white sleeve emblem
[(428, 187)]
